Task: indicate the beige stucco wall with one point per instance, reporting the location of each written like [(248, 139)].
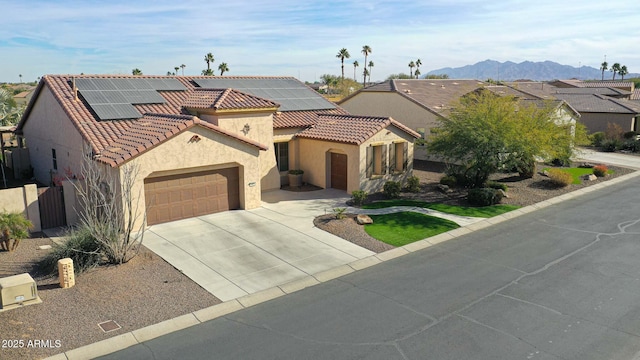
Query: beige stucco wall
[(49, 128), (261, 130), (598, 121), (213, 151), (23, 200), (393, 105), (315, 161), (386, 136)]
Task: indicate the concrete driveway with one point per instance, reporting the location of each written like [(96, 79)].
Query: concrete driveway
[(241, 252)]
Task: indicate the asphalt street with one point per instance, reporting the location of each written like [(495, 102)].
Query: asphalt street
[(562, 282)]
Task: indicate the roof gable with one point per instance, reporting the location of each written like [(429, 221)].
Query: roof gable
[(226, 99)]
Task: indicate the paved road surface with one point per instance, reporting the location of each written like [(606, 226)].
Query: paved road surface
[(559, 283)]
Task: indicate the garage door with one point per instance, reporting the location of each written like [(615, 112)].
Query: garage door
[(339, 171), (182, 196)]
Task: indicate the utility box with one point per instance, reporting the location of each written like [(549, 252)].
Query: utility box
[(66, 274), (18, 290)]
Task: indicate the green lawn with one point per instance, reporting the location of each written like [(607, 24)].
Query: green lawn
[(577, 172), (484, 211), (403, 228)]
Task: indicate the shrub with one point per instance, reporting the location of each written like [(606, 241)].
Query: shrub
[(392, 189), (600, 170), (448, 180), (413, 184), (631, 145), (359, 197), (560, 178), (526, 168), (339, 213), (597, 138), (496, 185), (13, 226), (484, 196), (80, 246), (296, 172), (610, 145), (630, 135)]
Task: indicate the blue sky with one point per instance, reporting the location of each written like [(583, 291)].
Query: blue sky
[(301, 38)]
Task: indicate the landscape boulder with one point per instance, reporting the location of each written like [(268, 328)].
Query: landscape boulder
[(444, 188), (363, 219), (589, 177)]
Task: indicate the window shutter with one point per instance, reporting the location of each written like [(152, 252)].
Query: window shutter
[(385, 165), (392, 158), (369, 161), (405, 156)]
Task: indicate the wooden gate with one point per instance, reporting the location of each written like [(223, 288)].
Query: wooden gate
[(51, 202)]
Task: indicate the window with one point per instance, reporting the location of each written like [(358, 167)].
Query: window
[(398, 157), (376, 160), (282, 156), (55, 159)]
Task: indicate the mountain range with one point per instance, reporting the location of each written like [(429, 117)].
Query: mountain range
[(539, 71)]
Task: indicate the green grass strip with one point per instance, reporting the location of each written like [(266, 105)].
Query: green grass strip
[(481, 211), (403, 228)]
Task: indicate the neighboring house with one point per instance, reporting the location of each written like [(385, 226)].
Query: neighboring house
[(616, 84), (22, 98), (597, 111), (416, 103), (207, 144)]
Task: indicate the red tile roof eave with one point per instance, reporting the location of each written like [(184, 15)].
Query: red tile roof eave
[(170, 134)]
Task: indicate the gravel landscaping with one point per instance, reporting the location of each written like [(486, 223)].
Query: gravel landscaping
[(521, 192), (142, 292)]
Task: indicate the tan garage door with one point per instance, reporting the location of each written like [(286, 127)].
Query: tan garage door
[(182, 196)]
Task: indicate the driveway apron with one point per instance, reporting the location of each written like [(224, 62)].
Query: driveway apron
[(235, 253)]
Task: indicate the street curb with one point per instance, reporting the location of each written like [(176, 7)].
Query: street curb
[(136, 337)]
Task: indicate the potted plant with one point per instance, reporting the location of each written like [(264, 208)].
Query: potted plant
[(13, 226), (295, 177)]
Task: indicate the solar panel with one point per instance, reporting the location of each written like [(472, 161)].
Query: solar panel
[(122, 84), (291, 94), (115, 111)]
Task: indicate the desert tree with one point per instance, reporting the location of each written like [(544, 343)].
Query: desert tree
[(485, 133), (604, 67), (355, 65), (615, 68), (136, 71), (411, 66), (208, 59), (223, 67), (343, 54), (366, 50), (109, 209), (207, 72), (417, 73), (623, 71)]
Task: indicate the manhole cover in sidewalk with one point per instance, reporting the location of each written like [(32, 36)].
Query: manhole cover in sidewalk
[(109, 326)]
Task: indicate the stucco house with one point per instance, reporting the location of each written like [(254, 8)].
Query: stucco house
[(208, 144)]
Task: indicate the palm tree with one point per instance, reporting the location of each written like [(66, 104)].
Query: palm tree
[(369, 72), (20, 78), (343, 54), (365, 73), (223, 68), (177, 68), (604, 67), (136, 71), (366, 50), (355, 65), (615, 68), (417, 73), (411, 66), (183, 66), (169, 73), (208, 59), (623, 71), (418, 63), (207, 72)]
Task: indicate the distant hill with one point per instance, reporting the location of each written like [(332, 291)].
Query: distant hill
[(510, 71)]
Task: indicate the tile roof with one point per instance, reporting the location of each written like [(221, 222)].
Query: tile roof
[(595, 103), (225, 99), (503, 90), (109, 136), (635, 95), (350, 129), (153, 129)]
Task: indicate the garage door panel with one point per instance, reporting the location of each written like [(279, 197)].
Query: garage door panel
[(182, 196)]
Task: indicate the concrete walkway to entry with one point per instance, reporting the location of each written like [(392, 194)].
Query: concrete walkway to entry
[(236, 253)]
